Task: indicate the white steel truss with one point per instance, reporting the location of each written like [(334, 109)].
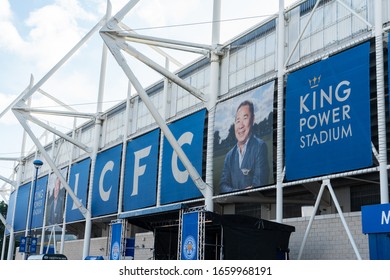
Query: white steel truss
[(116, 36)]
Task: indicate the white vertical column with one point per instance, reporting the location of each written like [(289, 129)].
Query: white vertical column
[(98, 128), (165, 115), (380, 89), (18, 180), (124, 148), (279, 140), (211, 103)]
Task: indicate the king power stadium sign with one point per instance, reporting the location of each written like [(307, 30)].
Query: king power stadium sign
[(328, 116)]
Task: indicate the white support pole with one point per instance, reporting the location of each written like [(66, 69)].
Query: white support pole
[(10, 106), (56, 132), (280, 104), (196, 178), (124, 149), (28, 229), (161, 150), (158, 50), (133, 52), (11, 243), (341, 2), (51, 163), (326, 183), (56, 100), (336, 202), (380, 89), (57, 113), (302, 32), (66, 197), (4, 222), (46, 200), (26, 94), (9, 159), (165, 43), (8, 181), (120, 14), (316, 205), (3, 246), (9, 228), (212, 101), (95, 148)]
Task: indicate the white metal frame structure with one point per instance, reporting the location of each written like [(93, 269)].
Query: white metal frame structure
[(117, 39)]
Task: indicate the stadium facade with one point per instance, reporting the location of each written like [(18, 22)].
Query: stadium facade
[(319, 86)]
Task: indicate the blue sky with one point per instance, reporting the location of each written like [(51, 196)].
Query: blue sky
[(36, 34)]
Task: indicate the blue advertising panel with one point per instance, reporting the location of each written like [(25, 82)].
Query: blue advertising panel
[(56, 198), (243, 141), (78, 181), (176, 184), (106, 182), (116, 241), (21, 208), (23, 244), (33, 245), (10, 210), (39, 202), (328, 116), (376, 218), (189, 237), (141, 167)]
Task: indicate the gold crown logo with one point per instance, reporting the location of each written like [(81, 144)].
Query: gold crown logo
[(315, 81)]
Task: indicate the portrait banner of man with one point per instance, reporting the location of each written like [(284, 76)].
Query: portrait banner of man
[(56, 199), (243, 141)]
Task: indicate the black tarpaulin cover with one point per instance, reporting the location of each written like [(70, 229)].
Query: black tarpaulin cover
[(250, 238)]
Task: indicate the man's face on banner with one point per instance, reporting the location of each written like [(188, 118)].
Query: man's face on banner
[(243, 124)]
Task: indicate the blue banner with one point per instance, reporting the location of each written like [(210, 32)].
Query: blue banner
[(140, 185), (10, 210), (56, 198), (23, 244), (244, 126), (328, 116), (376, 218), (106, 182), (116, 241), (189, 237), (78, 181), (39, 202), (33, 245), (176, 184), (21, 208)]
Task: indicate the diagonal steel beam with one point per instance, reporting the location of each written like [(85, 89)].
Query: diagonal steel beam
[(31, 90), (117, 43), (158, 50), (55, 131), (59, 102), (84, 211), (9, 181), (165, 43), (56, 112), (195, 176)]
